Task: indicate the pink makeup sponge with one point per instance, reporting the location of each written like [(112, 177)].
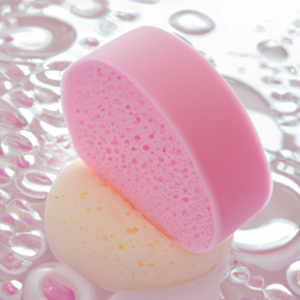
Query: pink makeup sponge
[(153, 118)]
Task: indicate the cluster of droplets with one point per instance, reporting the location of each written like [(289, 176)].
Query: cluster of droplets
[(241, 284)]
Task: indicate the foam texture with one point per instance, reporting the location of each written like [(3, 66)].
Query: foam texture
[(124, 138)]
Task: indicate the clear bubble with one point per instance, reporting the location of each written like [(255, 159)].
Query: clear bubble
[(37, 36), (63, 141), (30, 245), (291, 69), (21, 210), (35, 185), (11, 288), (105, 27), (191, 22), (278, 291), (272, 50), (89, 42), (20, 99), (240, 275), (6, 231), (147, 1), (293, 277), (45, 96), (4, 197), (10, 118), (11, 263), (89, 8), (294, 83), (58, 65), (255, 283), (127, 16), (47, 77), (19, 143), (267, 236), (53, 118), (6, 177), (271, 80), (56, 290)]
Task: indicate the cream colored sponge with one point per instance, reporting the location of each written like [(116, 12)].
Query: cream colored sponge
[(99, 234)]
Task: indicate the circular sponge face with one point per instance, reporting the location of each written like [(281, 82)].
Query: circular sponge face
[(155, 120), (123, 136)]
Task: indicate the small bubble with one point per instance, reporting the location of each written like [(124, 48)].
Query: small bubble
[(151, 136), (240, 275), (146, 147), (185, 199)]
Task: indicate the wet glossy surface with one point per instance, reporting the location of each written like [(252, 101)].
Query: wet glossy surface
[(259, 56)]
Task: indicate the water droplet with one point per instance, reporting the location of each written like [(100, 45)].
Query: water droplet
[(64, 141), (10, 118), (278, 291), (293, 277), (30, 245), (58, 65), (34, 184), (6, 231), (255, 283), (127, 16), (147, 1), (89, 8), (89, 42), (285, 96), (53, 118), (272, 50), (12, 287), (291, 69), (271, 80), (21, 210), (37, 36), (4, 197), (18, 143), (240, 275), (57, 291), (46, 78), (297, 23), (20, 99), (294, 83), (5, 178), (11, 263), (271, 235), (105, 27), (191, 22), (45, 96)]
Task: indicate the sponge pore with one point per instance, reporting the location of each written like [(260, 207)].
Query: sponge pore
[(119, 132)]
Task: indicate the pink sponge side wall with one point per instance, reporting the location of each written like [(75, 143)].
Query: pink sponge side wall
[(122, 136)]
